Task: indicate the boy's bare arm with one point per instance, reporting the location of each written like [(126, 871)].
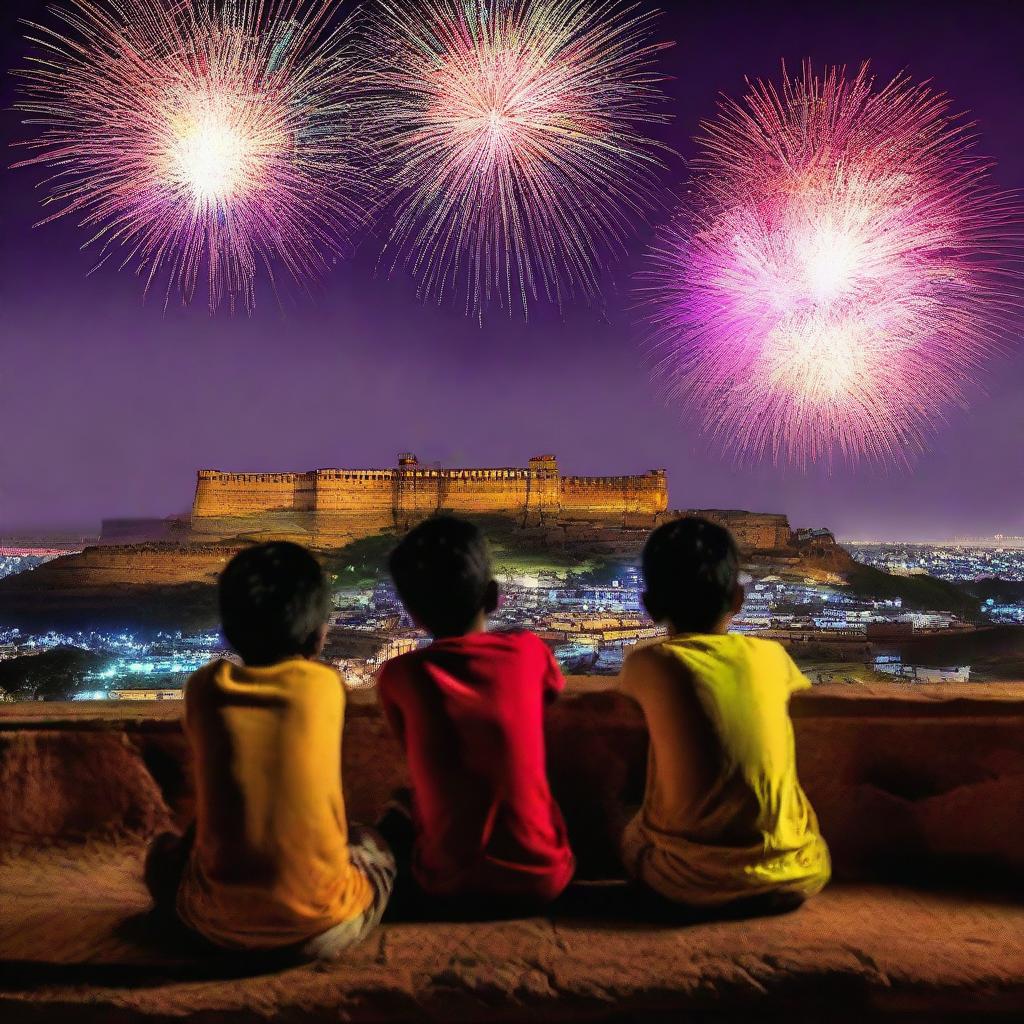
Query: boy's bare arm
[(392, 714), (678, 725), (554, 683), (797, 680)]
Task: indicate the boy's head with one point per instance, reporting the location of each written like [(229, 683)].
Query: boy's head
[(442, 572), (274, 603), (691, 569)]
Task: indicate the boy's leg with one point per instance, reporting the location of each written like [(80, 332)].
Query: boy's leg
[(166, 859), (636, 849), (370, 854), (396, 826)]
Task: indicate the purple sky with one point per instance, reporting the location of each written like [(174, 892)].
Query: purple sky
[(108, 405)]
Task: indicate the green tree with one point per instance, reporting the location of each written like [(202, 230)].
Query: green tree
[(55, 674)]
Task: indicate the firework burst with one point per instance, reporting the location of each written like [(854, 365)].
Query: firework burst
[(515, 132), (192, 135), (838, 275)]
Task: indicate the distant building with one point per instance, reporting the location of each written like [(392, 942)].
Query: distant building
[(932, 620), (889, 630), (817, 534), (157, 694), (370, 646), (359, 653), (892, 664), (753, 531)]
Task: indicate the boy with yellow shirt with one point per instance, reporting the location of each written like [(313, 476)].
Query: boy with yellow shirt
[(271, 862), (724, 822)]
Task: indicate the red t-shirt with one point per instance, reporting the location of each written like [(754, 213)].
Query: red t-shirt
[(469, 711)]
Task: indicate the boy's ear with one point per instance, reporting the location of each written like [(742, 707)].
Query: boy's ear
[(319, 641), (738, 596), (491, 597)]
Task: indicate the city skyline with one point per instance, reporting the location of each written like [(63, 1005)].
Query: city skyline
[(112, 405)]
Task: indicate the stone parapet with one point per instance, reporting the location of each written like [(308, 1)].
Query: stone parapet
[(919, 790), (908, 781)]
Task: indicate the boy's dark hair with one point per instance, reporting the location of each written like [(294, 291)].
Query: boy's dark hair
[(442, 572), (274, 599), (691, 569)]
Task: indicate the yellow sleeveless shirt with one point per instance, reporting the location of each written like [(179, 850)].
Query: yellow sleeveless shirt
[(724, 817)]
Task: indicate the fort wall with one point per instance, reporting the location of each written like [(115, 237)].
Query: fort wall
[(351, 492), (614, 495), (411, 491), (246, 494)]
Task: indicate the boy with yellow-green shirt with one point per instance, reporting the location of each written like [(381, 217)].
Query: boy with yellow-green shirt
[(724, 821)]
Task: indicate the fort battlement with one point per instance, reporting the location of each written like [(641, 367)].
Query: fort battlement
[(410, 491)]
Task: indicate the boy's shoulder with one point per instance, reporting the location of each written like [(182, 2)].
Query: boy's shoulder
[(757, 643), (507, 639), (519, 648), (686, 649), (204, 672), (203, 677), (296, 672), (760, 649), (647, 662), (645, 652), (517, 637), (754, 658), (498, 643), (724, 644)]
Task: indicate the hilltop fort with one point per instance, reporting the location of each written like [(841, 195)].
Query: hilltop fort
[(332, 506), (542, 510), (346, 501)]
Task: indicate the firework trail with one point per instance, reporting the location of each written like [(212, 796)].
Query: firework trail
[(515, 135), (840, 273), (189, 134)]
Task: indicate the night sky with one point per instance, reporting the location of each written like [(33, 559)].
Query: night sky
[(108, 405)]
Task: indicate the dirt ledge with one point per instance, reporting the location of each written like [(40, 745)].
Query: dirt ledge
[(75, 944)]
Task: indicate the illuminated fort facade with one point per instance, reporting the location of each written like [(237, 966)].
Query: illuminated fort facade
[(412, 491)]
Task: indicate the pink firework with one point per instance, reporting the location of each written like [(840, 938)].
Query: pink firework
[(189, 134), (515, 135), (839, 274)]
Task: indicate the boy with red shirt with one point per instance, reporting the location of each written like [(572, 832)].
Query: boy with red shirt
[(469, 711)]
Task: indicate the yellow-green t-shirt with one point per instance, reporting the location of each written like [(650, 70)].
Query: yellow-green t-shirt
[(270, 865), (724, 816)]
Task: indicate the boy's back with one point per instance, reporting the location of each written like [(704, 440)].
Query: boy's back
[(469, 711), (724, 817), (270, 865)]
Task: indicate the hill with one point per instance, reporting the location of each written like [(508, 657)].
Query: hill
[(917, 592)]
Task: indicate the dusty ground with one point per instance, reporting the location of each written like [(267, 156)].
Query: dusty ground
[(855, 953)]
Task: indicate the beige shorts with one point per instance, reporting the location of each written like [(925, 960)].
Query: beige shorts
[(370, 854), (169, 853)]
